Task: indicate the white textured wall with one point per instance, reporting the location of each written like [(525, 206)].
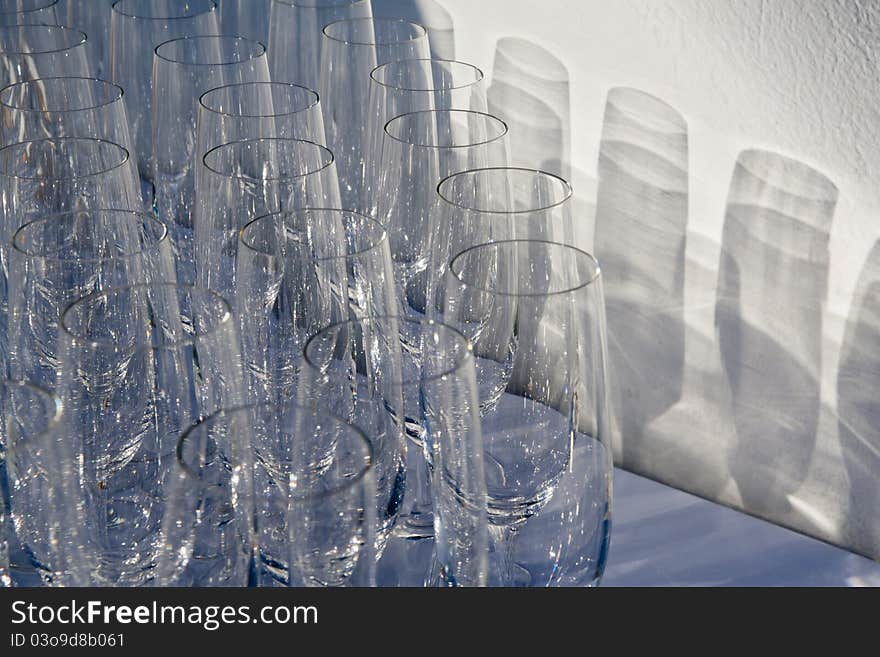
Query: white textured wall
[(799, 76), (796, 77)]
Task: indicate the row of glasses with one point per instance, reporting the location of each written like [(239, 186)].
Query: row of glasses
[(246, 179), (139, 365), (295, 35), (351, 368), (407, 86), (137, 28), (183, 70), (419, 149), (527, 398), (65, 151), (54, 175), (136, 365), (350, 51), (435, 128), (303, 525), (425, 120)]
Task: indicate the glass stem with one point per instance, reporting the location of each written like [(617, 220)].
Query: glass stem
[(504, 539)]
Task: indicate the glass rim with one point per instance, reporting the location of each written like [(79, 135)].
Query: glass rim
[(210, 6), (567, 196), (226, 318), (461, 361), (83, 38), (126, 156), (314, 97), (505, 129), (81, 78), (312, 4), (322, 149), (457, 62), (260, 51), (382, 239), (150, 218), (37, 7), (376, 42), (52, 404), (315, 411), (571, 289)]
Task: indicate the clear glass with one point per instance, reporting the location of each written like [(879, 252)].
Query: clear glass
[(247, 179), (494, 204), (259, 109), (431, 14), (35, 51), (350, 50), (137, 27), (57, 259), (208, 533), (64, 107), (42, 487), (184, 69), (299, 272), (446, 486), (313, 522), (417, 85), (419, 150), (536, 313), (246, 18), (295, 27), (93, 17), (353, 369), (48, 176), (254, 110), (356, 369), (28, 12), (140, 364)]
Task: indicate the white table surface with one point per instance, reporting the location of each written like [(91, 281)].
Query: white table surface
[(664, 537)]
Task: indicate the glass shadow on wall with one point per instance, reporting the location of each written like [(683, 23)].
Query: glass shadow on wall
[(530, 91), (858, 407), (640, 242), (772, 288), (432, 15), (687, 445)]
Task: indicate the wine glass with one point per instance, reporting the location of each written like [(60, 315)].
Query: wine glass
[(57, 259), (535, 310), (295, 27), (350, 50), (184, 69), (42, 487), (246, 179), (419, 150), (413, 85), (139, 364), (35, 51), (137, 27), (298, 272)]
